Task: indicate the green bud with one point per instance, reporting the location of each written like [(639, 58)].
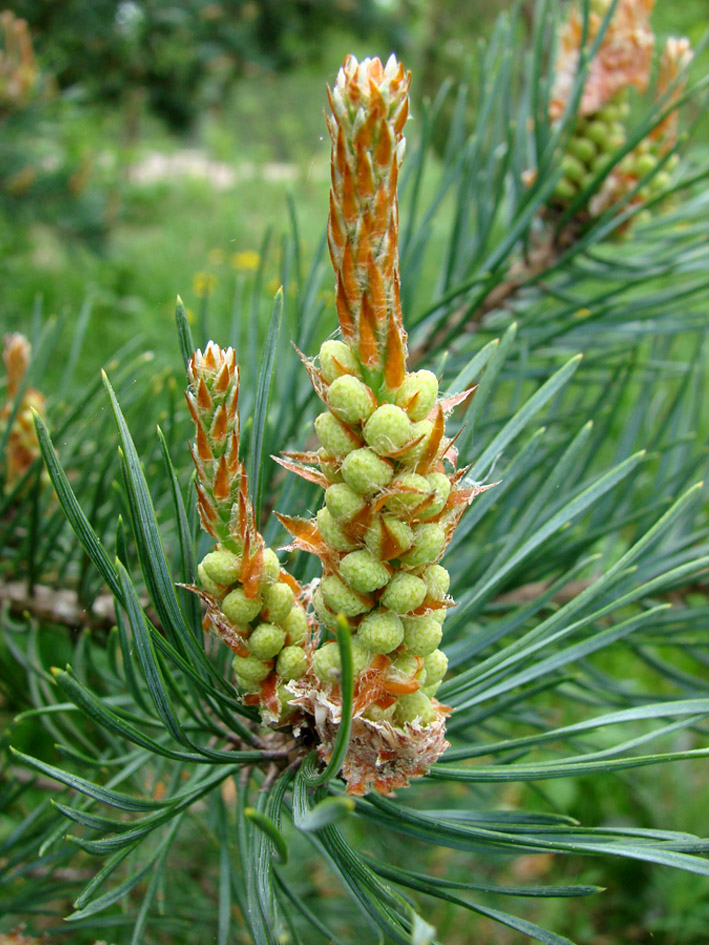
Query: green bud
[(239, 609), (598, 132), (329, 465), (365, 472), (361, 571), (573, 169), (342, 502), (295, 625), (332, 533), (341, 598), (397, 532), (416, 707), (671, 163), (278, 601), (350, 400), (210, 586), (440, 485), (429, 542), (582, 149), (388, 430), (376, 714), (422, 634), (436, 665), (361, 655), (381, 632), (404, 593), (250, 668), (336, 438), (564, 189), (613, 143), (266, 641), (284, 698), (292, 663), (271, 568), (437, 581), (327, 617), (406, 666), (431, 690), (403, 503), (326, 663), (661, 181), (245, 684), (422, 429), (222, 567), (336, 358), (644, 164), (609, 113), (418, 394), (599, 164)]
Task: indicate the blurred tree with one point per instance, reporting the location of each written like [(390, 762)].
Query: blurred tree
[(185, 55)]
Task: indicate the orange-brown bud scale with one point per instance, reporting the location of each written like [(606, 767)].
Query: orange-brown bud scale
[(22, 448)]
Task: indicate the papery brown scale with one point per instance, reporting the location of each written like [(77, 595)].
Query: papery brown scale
[(204, 399), (269, 697), (222, 380), (431, 451), (377, 106), (222, 485), (316, 378), (349, 276), (349, 204), (336, 233), (219, 424), (368, 345), (401, 688), (385, 146), (397, 303), (395, 367), (363, 252), (232, 406), (401, 117), (365, 135), (393, 184), (286, 578), (209, 357), (305, 472), (381, 212), (344, 316), (251, 571), (330, 103), (365, 175), (340, 159), (390, 547), (377, 291), (192, 407), (207, 515), (203, 448)]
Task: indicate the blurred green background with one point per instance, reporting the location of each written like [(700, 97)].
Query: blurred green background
[(153, 156), (161, 140)]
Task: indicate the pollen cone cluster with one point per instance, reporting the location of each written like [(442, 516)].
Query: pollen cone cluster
[(623, 60), (251, 603), (393, 496), (22, 448)]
